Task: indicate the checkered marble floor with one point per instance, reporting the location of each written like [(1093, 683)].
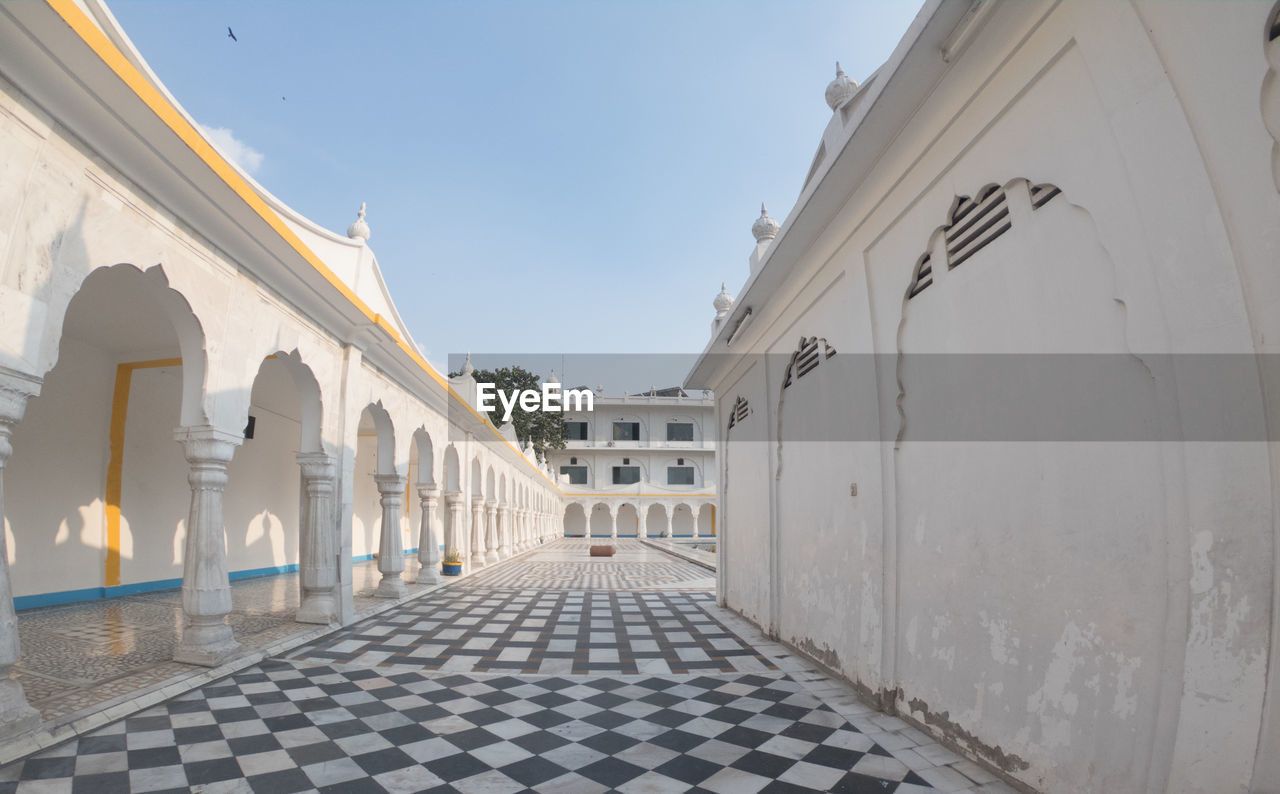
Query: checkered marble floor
[(564, 564), (442, 694), (78, 655), (475, 629)]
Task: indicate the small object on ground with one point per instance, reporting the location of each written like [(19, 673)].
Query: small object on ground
[(601, 551)]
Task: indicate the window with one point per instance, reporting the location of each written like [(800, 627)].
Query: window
[(626, 475), (575, 431), (626, 431), (679, 431), (975, 223), (806, 358), (972, 224), (679, 475), (577, 474), (741, 409)]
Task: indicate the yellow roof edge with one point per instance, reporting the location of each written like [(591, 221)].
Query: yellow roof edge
[(117, 62)]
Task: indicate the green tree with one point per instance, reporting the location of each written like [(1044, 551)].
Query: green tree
[(545, 430)]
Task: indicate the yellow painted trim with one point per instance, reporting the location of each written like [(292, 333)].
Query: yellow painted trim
[(115, 464), (408, 490), (116, 60)]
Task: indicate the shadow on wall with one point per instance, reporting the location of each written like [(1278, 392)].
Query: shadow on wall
[(97, 494)]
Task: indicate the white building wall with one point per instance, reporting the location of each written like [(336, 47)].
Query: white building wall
[(198, 263), (1087, 616)]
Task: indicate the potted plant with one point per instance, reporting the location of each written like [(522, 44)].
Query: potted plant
[(452, 563)]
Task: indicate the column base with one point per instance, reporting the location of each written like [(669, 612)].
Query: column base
[(490, 556), (391, 586), (16, 715), (206, 644), (505, 552), (317, 608), (477, 560), (429, 574)]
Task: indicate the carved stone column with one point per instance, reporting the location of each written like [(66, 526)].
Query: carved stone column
[(477, 532), (428, 547), (390, 547), (491, 532), (206, 592), (643, 513), (696, 518), (666, 533), (524, 530), (16, 714), (456, 503), (504, 531), (318, 557), (613, 521)]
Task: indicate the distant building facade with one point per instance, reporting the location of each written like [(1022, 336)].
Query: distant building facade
[(640, 465)]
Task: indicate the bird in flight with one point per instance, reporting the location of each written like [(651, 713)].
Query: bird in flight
[(231, 35)]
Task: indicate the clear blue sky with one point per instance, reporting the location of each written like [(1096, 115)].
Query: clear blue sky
[(542, 177)]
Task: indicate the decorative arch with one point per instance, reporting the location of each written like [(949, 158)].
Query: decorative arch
[(971, 224), (310, 405), (576, 521), (477, 477), (127, 280), (645, 431), (385, 431), (452, 470), (424, 457), (669, 419)]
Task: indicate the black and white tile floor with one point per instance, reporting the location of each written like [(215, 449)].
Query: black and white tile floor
[(472, 689)]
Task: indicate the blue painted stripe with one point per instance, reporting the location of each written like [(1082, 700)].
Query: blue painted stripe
[(96, 593), (256, 572)]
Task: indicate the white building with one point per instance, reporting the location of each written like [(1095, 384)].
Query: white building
[(1061, 557), (198, 383), (637, 466)]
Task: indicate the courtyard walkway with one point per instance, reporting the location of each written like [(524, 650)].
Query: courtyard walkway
[(552, 672)]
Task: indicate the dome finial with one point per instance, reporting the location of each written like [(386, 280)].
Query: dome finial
[(359, 230), (723, 302), (765, 228), (840, 90), (467, 369)]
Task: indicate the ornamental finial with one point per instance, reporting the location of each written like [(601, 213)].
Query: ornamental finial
[(765, 228), (840, 90), (359, 230)]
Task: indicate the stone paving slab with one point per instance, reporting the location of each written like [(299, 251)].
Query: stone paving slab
[(76, 657), (375, 722), (479, 629)]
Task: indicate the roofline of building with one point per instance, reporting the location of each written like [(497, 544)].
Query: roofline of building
[(115, 105), (900, 86)]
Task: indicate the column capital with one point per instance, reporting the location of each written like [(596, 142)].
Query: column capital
[(317, 465), (207, 444), (15, 389), (389, 484), (455, 498), (477, 501), (428, 492)]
